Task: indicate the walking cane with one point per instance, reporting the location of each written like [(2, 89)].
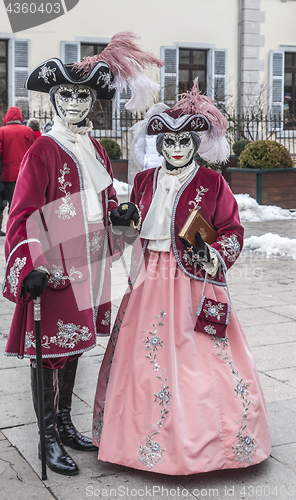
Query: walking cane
[(37, 320)]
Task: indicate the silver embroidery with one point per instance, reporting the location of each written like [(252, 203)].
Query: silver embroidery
[(45, 72), (210, 329), (98, 425), (245, 447), (213, 310), (193, 259), (14, 274), (107, 319), (199, 194), (66, 209), (99, 420), (107, 79), (29, 340), (96, 242), (57, 277), (230, 247), (152, 453), (67, 337), (157, 125)]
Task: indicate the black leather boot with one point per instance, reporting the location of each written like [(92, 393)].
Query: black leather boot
[(57, 458), (69, 435)]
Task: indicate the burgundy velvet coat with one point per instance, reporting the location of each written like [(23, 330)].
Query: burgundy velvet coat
[(47, 226), (207, 191)]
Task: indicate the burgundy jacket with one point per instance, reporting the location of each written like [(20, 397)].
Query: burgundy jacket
[(15, 140), (47, 226), (207, 191)]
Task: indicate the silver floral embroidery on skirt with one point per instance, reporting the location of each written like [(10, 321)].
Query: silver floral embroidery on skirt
[(98, 424), (152, 452), (14, 274), (245, 447)]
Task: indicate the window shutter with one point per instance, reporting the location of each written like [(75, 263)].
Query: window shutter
[(276, 89), (70, 52), (20, 73), (218, 77), (169, 75), (124, 117)]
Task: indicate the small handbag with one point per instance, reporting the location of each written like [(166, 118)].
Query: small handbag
[(212, 316)]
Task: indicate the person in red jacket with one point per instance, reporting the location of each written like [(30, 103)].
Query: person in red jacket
[(15, 140)]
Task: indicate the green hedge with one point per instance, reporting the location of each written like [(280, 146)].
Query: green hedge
[(112, 148), (239, 146), (265, 154)]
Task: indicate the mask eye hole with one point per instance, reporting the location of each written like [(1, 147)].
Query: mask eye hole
[(169, 142), (66, 94), (83, 95), (185, 141)]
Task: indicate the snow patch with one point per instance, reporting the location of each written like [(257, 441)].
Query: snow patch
[(250, 211), (272, 245), (121, 188)]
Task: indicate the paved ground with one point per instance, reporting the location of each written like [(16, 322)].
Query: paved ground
[(263, 292)]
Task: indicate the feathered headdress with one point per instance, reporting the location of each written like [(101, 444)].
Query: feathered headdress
[(127, 61), (195, 112)]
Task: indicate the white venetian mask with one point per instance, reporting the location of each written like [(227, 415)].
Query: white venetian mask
[(178, 148), (73, 102)]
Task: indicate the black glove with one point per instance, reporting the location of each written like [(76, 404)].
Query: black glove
[(122, 215), (35, 283), (201, 250)]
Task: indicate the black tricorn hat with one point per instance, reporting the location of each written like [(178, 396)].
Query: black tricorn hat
[(54, 72)]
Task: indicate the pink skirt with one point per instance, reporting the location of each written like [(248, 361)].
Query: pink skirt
[(172, 400)]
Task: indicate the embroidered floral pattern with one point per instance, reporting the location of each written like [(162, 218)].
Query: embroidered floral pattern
[(152, 453), (157, 125), (57, 277), (192, 259), (210, 329), (199, 194), (245, 447), (96, 243), (45, 72), (66, 209), (107, 79), (98, 425), (14, 274), (99, 420), (107, 319), (29, 340), (230, 247), (214, 310), (67, 337)]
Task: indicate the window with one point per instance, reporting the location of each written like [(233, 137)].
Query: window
[(290, 90), (183, 64), (3, 75), (192, 64), (101, 114)]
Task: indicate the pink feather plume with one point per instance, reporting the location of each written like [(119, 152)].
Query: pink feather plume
[(123, 56), (193, 102), (127, 61)]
